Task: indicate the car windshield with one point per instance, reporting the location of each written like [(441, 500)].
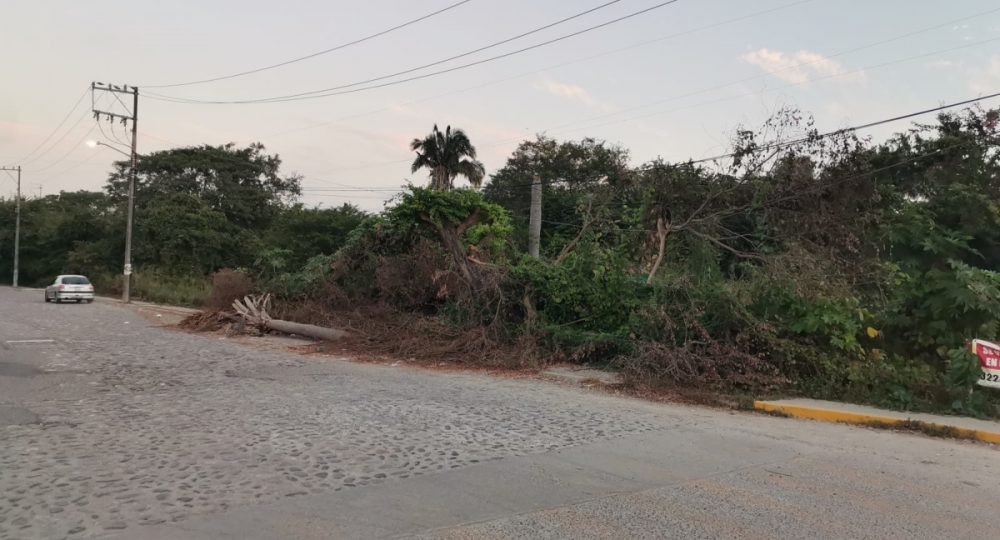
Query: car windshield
[(75, 280)]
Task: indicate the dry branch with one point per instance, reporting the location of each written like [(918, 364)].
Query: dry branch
[(254, 312)]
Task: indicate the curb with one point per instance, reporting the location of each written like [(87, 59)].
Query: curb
[(823, 414)]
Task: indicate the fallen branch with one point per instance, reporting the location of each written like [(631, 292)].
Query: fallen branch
[(254, 312)]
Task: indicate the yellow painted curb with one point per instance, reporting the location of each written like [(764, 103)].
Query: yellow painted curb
[(845, 417)]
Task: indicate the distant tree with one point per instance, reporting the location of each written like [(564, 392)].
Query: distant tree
[(306, 232), (575, 175), (243, 184), (448, 155), (69, 232)]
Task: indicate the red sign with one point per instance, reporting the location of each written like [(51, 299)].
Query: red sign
[(989, 361)]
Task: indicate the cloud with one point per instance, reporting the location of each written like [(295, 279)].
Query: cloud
[(800, 67), (987, 80), (569, 92)]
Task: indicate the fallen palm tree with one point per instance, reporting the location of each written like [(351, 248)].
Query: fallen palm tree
[(254, 310)]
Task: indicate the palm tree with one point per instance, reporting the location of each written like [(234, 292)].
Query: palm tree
[(447, 155)]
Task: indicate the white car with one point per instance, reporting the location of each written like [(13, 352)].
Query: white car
[(76, 288)]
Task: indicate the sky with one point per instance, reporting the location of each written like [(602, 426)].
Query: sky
[(674, 82)]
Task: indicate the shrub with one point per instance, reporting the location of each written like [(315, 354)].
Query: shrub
[(584, 303)]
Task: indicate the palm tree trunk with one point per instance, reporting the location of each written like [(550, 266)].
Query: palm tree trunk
[(439, 179)]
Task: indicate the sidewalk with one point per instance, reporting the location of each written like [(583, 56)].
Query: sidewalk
[(830, 411)]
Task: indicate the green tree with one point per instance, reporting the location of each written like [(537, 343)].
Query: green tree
[(307, 232), (55, 231), (243, 184), (183, 236), (572, 173), (447, 155)]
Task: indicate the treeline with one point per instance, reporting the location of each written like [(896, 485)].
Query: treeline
[(830, 266), (196, 210)]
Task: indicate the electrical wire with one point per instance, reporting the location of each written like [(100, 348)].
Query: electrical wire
[(117, 138), (556, 66), (823, 58), (842, 131), (781, 144), (557, 128), (817, 189), (747, 94), (315, 54), (114, 139), (56, 143), (339, 90), (75, 148), (72, 150), (56, 129)]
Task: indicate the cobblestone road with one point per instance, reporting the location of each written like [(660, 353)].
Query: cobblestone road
[(139, 425), (111, 427)]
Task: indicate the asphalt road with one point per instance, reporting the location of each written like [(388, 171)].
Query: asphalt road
[(113, 427)]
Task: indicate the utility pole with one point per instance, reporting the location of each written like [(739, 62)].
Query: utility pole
[(17, 224), (134, 158), (535, 217)]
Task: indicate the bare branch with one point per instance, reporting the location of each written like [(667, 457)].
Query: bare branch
[(587, 220)]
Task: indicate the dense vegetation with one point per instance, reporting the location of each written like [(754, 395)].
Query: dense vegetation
[(824, 265), (197, 210)]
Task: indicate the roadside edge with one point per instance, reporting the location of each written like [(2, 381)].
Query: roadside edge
[(824, 414)]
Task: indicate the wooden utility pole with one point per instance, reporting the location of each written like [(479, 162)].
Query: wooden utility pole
[(535, 218), (124, 118), (17, 224)]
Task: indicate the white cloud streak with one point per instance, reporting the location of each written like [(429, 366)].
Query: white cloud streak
[(799, 67), (569, 92)]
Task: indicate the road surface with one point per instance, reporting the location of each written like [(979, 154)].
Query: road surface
[(113, 427)]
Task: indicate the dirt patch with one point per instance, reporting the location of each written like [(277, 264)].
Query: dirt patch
[(385, 336), (385, 332), (207, 321), (925, 428)]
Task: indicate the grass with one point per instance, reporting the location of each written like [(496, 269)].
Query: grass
[(159, 287), (166, 289)]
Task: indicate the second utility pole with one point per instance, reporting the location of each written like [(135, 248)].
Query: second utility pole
[(17, 224), (126, 292), (535, 218), (134, 117)]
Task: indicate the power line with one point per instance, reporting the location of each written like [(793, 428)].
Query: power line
[(816, 189), (793, 66), (339, 90), (51, 147), (56, 129), (790, 85), (731, 98), (315, 54), (862, 126), (554, 66), (114, 137), (467, 53), (747, 94), (792, 142), (71, 151)]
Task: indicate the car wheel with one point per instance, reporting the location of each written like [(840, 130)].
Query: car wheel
[(55, 298), (47, 299), (90, 301), (78, 300)]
